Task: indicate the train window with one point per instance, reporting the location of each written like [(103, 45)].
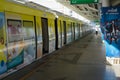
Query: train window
[(14, 30), (28, 30), (15, 44)]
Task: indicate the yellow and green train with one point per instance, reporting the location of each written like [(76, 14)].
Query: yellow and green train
[(27, 34)]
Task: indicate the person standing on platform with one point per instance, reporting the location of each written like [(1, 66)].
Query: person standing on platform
[(96, 30)]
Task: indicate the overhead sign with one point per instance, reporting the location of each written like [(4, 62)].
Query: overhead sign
[(83, 1)]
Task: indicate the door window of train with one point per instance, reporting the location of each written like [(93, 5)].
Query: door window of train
[(28, 30), (39, 34), (14, 30)]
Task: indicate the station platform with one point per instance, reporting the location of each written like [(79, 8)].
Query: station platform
[(83, 59)]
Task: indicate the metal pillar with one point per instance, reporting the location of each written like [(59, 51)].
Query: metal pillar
[(106, 3)]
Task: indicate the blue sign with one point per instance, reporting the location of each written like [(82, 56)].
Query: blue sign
[(110, 27)]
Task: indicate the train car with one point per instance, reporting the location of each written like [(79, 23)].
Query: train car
[(28, 33), (64, 30)]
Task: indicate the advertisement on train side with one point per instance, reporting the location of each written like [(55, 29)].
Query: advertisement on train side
[(3, 57), (15, 43), (110, 27), (20, 43)]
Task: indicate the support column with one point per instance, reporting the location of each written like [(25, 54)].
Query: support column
[(105, 3)]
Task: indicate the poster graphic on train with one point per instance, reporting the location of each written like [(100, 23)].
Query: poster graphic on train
[(59, 34), (29, 39), (3, 58), (15, 43), (110, 27)]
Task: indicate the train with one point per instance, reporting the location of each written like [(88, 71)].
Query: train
[(28, 33)]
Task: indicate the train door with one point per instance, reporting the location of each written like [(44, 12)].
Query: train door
[(65, 35), (44, 22), (39, 37), (60, 35), (83, 31), (69, 34), (78, 30), (20, 39), (56, 34), (51, 32), (15, 48), (73, 31), (29, 40)]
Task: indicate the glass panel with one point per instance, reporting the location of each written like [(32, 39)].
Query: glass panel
[(14, 30), (29, 39)]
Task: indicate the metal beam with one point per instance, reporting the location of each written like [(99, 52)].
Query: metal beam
[(115, 2), (91, 8)]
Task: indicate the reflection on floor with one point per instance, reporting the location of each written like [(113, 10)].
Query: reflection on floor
[(81, 60)]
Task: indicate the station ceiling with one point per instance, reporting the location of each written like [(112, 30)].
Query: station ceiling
[(89, 11)]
